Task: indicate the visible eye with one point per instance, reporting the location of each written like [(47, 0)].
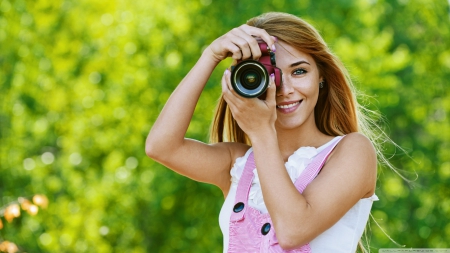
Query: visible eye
[(299, 71)]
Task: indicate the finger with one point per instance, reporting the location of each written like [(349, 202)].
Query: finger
[(271, 91), (223, 82), (246, 42), (228, 81), (229, 94), (227, 90), (252, 43), (235, 51), (254, 47), (261, 33), (243, 41), (231, 90), (274, 38)]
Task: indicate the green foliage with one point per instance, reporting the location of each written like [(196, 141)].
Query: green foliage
[(81, 83)]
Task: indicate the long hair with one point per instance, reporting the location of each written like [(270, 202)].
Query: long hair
[(336, 112)]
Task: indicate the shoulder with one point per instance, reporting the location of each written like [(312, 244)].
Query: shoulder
[(347, 176), (355, 157), (355, 147), (356, 141)]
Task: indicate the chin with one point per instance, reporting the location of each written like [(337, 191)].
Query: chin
[(293, 122), (289, 124)]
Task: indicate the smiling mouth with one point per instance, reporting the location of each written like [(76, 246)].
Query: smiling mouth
[(289, 105)]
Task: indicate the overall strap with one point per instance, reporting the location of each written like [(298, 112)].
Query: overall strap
[(245, 182), (313, 169)]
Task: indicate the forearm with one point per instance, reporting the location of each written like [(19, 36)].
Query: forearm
[(171, 125), (287, 207)]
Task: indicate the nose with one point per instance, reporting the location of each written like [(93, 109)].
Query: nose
[(285, 88)]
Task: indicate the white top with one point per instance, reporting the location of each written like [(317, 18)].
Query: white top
[(341, 237)]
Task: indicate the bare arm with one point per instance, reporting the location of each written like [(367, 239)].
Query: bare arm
[(348, 175), (166, 142)]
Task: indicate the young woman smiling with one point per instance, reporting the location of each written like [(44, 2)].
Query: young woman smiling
[(296, 170)]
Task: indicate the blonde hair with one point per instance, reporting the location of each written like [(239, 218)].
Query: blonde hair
[(336, 112)]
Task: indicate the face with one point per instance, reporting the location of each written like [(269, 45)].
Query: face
[(297, 96)]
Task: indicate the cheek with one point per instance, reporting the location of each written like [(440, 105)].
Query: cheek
[(307, 87)]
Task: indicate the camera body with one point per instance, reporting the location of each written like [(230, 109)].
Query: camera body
[(250, 78)]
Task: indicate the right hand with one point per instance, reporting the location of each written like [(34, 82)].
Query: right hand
[(256, 117), (240, 43)]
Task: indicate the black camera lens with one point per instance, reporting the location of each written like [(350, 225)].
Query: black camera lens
[(249, 78)]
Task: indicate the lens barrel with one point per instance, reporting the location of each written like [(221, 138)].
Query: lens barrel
[(249, 78)]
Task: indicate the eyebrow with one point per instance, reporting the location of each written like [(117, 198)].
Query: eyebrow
[(298, 63)]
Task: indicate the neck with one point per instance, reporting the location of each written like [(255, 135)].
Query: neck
[(289, 140)]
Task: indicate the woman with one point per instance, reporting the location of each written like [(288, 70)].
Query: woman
[(290, 137)]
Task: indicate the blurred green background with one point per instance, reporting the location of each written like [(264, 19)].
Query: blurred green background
[(81, 83)]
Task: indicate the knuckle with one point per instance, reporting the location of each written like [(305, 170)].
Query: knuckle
[(226, 93), (227, 36), (234, 30), (235, 49), (235, 52), (242, 43), (254, 43), (237, 55)]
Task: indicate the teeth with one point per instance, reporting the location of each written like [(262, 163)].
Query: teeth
[(288, 106)]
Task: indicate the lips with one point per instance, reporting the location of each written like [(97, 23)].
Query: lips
[(287, 107)]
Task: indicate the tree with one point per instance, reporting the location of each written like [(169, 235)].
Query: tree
[(82, 82)]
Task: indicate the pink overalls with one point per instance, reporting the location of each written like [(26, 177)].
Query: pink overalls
[(252, 231)]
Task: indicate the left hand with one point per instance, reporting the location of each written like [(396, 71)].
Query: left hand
[(254, 116)]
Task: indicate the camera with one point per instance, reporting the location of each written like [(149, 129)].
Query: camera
[(250, 78)]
